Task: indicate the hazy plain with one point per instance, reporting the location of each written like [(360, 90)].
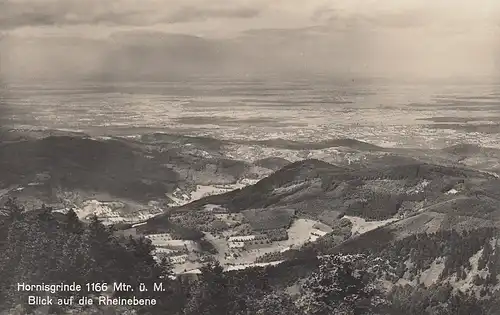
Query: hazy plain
[(387, 114)]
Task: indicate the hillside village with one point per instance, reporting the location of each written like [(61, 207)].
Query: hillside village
[(233, 248), (232, 251), (238, 244)]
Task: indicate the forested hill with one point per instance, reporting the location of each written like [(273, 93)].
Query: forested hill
[(39, 247), (315, 188), (46, 168)]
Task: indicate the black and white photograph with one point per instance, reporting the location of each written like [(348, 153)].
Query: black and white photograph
[(250, 157)]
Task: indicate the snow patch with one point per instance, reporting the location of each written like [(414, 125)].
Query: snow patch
[(360, 225), (290, 188), (205, 191), (300, 232), (180, 197), (467, 283), (245, 266), (419, 188), (431, 275)]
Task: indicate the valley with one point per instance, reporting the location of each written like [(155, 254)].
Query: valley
[(196, 202)]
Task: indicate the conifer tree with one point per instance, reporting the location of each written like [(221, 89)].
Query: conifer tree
[(338, 287), (72, 223)]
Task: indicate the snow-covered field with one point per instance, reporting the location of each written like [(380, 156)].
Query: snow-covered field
[(244, 266), (360, 225), (110, 212), (180, 198), (205, 190)]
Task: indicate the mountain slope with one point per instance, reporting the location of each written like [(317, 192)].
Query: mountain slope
[(45, 164), (313, 186), (81, 163)]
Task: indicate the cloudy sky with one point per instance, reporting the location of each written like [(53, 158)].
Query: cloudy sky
[(421, 37), (224, 17)]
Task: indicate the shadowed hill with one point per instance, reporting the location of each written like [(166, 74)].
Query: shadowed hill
[(316, 189), (272, 163), (82, 163), (118, 167), (175, 140), (463, 149), (461, 214), (258, 195), (476, 156)]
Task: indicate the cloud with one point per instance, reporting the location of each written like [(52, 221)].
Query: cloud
[(421, 37), (408, 14), (247, 14), (33, 13), (196, 14)]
